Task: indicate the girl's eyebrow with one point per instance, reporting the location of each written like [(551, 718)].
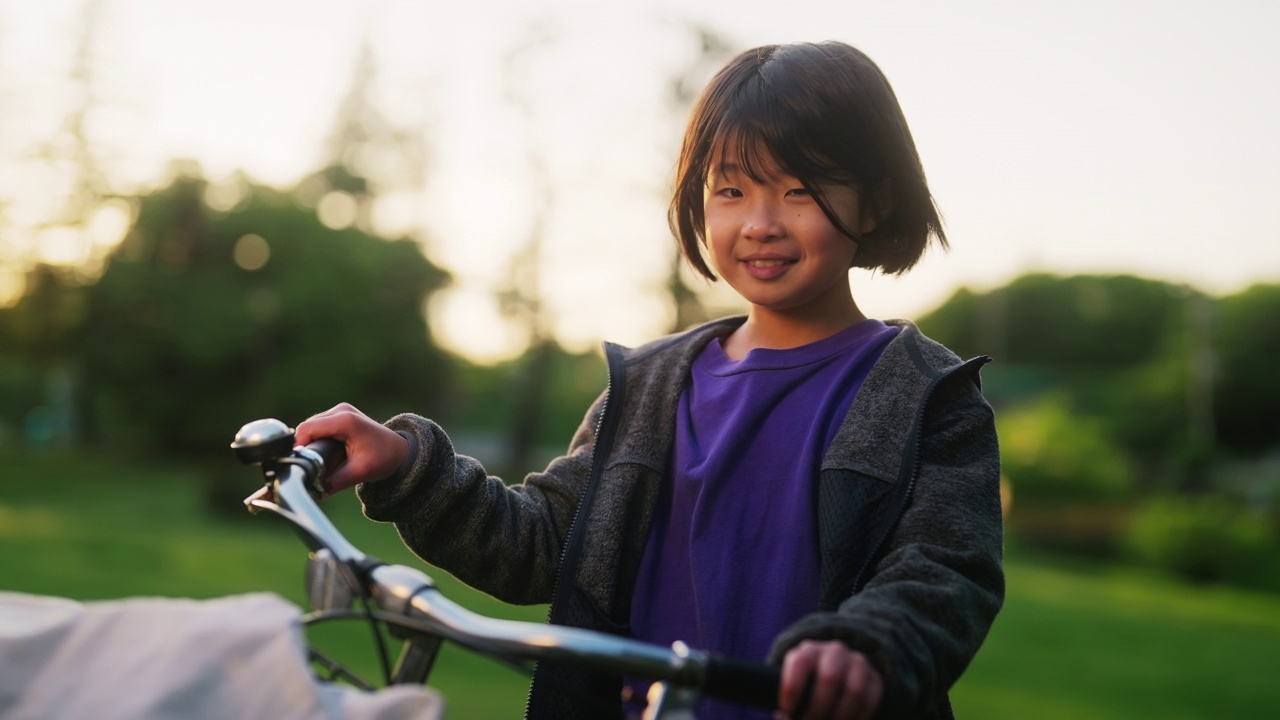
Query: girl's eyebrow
[(732, 169), (723, 173)]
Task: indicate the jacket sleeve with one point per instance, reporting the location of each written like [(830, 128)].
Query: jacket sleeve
[(937, 584), (503, 540)]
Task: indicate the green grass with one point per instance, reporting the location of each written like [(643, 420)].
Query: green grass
[(1074, 640), (1079, 641)]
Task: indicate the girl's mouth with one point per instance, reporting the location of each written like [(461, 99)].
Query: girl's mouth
[(766, 268)]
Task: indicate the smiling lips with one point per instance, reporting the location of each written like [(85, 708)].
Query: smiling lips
[(766, 267)]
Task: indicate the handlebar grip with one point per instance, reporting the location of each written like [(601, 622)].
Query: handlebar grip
[(743, 682), (333, 453)]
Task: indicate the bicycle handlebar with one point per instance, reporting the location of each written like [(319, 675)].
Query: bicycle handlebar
[(296, 478), (750, 683)]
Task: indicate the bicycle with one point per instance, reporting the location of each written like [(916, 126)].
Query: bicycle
[(407, 603)]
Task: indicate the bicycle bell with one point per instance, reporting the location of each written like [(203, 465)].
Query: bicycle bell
[(262, 441)]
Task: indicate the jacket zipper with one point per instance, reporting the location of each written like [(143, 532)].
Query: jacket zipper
[(915, 465), (573, 545)]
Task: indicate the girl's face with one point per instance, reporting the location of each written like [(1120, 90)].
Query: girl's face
[(773, 244)]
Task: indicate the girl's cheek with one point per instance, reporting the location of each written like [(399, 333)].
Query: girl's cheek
[(715, 249)]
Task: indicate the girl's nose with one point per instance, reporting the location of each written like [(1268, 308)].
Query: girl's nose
[(762, 222)]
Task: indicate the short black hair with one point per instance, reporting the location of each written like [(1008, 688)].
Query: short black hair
[(822, 112)]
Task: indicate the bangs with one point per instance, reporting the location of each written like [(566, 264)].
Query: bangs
[(766, 135)]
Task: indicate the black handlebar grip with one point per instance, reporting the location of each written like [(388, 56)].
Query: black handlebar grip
[(742, 682), (333, 452)]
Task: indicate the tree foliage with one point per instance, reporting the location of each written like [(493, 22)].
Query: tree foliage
[(40, 328), (1130, 351), (182, 342), (1179, 380), (37, 338), (1052, 453), (1247, 387), (1077, 321)]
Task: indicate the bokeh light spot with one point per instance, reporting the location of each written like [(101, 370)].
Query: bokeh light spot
[(251, 252), (110, 223), (337, 210), (61, 245)]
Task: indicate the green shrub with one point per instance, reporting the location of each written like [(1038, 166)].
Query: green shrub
[(1206, 539), (1053, 455)]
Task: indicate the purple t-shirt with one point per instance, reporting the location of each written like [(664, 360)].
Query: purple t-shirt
[(732, 556)]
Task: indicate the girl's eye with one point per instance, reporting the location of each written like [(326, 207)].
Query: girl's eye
[(730, 192), (798, 192)]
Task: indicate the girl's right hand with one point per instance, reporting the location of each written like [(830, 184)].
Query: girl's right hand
[(840, 682), (374, 452)]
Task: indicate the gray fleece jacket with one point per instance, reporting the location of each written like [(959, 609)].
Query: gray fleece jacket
[(908, 514)]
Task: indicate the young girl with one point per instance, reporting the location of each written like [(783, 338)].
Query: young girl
[(801, 484)]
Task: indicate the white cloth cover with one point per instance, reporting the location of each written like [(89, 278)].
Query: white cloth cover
[(241, 656)]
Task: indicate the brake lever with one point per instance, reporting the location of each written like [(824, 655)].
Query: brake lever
[(263, 499)]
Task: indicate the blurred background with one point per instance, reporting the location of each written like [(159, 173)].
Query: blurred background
[(212, 212)]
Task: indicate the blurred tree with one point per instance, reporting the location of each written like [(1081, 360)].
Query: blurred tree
[(40, 327), (1246, 340), (1064, 322), (520, 293), (204, 320), (37, 345), (1068, 476), (1162, 409), (1051, 453), (368, 155), (1145, 409), (1132, 352), (71, 149), (572, 382)]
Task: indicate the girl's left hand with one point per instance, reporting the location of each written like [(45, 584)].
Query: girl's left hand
[(845, 685), (374, 451)]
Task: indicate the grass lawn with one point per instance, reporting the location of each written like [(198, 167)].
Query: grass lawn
[(1104, 643), (1074, 640)]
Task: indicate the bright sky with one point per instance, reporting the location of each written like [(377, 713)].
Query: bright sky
[(1092, 136)]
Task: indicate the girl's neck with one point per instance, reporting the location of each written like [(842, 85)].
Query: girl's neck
[(780, 329)]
